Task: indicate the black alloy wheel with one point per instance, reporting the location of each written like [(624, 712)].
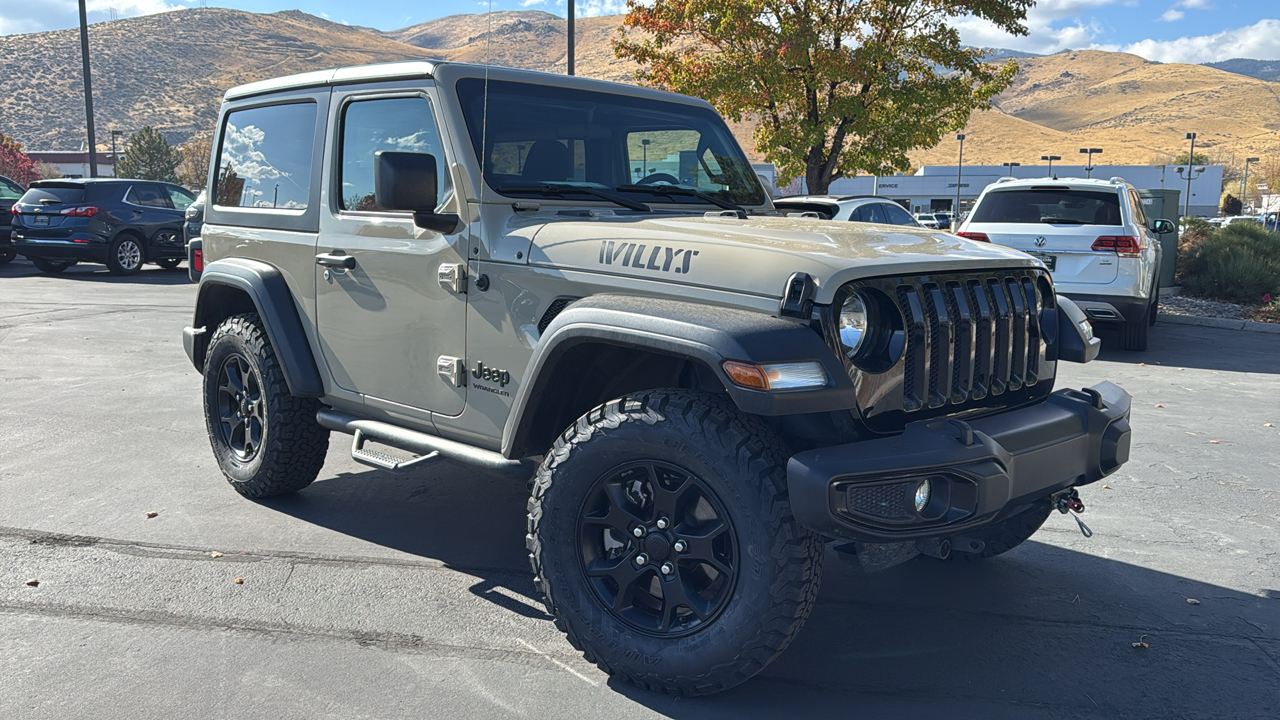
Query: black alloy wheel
[(242, 413), (657, 547)]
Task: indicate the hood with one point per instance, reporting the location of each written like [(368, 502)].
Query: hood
[(758, 254)]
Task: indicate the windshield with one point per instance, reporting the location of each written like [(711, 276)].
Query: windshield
[(1049, 205), (9, 190), (545, 134)]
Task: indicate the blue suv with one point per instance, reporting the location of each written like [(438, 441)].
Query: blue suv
[(120, 223)]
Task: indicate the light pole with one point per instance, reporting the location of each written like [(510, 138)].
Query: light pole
[(645, 162), (1191, 160), (959, 171), (1088, 167), (1191, 172), (115, 157), (1244, 184), (1050, 158), (570, 54), (275, 195), (1011, 166), (88, 92)]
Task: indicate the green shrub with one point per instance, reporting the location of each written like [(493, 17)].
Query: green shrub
[(1239, 263)]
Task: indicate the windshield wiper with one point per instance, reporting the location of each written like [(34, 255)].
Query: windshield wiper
[(1062, 221), (666, 190), (560, 189)]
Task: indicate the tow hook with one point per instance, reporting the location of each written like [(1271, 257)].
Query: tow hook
[(1068, 502)]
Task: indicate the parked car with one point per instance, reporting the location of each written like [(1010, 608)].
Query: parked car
[(121, 223), (193, 217), (929, 220), (10, 191), (854, 208), (699, 394), (1092, 235)]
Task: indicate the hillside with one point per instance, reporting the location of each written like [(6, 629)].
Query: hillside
[(1260, 69), (169, 70)]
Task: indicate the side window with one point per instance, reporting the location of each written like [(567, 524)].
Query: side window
[(872, 213), (265, 157), (1139, 212), (897, 216), (148, 195), (180, 198), (369, 126), (859, 214)]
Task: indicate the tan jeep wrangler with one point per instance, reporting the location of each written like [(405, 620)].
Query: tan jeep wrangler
[(584, 286)]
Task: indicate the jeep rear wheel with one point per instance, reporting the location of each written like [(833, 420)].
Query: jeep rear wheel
[(267, 442), (662, 540)]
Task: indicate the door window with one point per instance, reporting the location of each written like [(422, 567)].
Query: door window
[(1139, 213), (180, 198), (897, 216), (265, 157), (148, 195), (871, 212), (398, 124)]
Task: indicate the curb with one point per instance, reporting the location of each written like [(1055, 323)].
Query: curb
[(1221, 323)]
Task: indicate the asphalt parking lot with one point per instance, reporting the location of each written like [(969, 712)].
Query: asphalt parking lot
[(372, 595)]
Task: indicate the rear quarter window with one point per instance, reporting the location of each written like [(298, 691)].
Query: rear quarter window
[(1049, 205), (53, 195), (826, 210)]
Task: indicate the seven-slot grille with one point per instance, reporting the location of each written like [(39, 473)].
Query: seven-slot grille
[(969, 338)]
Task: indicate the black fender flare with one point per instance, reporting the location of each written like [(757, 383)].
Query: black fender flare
[(704, 334), (269, 291)]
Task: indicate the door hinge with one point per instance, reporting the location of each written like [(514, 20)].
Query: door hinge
[(452, 369), (454, 277)]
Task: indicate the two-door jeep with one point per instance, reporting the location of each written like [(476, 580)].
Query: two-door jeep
[(584, 286)]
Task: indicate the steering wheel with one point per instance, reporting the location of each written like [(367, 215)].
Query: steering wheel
[(659, 177)]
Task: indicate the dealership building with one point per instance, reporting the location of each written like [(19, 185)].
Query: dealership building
[(933, 187)]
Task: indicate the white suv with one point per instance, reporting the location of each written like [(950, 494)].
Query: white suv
[(1091, 234), (854, 208)]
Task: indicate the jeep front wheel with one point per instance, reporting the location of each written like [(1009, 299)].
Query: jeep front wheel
[(267, 442), (662, 540)]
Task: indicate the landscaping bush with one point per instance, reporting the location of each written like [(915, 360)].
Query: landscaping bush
[(1239, 263)]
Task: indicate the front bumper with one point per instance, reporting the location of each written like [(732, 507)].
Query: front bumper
[(981, 471)]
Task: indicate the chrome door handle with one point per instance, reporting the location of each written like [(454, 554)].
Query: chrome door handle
[(336, 260)]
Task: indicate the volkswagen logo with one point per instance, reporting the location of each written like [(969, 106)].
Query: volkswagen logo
[(1040, 241)]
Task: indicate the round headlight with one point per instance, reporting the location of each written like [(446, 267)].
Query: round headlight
[(853, 324)]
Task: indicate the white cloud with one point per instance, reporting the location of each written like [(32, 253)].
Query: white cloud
[(592, 8), (531, 3), (19, 17), (1260, 41), (1046, 33), (1196, 4), (1172, 15)]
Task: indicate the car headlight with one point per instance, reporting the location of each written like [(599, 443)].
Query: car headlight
[(853, 324)]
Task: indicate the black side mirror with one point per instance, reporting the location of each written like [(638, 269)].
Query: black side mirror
[(1162, 226), (407, 181), (1076, 341)]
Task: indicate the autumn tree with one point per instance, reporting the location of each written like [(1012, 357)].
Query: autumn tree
[(193, 171), (149, 157), (15, 164), (1200, 159), (837, 86)]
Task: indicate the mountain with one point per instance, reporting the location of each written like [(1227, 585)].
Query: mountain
[(170, 70), (1260, 69)]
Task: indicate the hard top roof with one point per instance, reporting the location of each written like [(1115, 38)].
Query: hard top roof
[(436, 69)]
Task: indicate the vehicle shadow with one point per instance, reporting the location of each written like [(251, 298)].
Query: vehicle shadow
[(1040, 632), (1192, 346), (91, 272)]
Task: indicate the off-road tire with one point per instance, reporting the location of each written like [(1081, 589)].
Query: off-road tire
[(50, 267), (169, 263), (293, 446), (743, 463), (138, 254), (1007, 534), (7, 256)]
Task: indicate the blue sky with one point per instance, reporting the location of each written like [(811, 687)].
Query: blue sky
[(1162, 30)]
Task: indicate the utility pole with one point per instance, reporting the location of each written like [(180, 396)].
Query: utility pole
[(88, 91), (1088, 168), (570, 36), (959, 170), (115, 156)]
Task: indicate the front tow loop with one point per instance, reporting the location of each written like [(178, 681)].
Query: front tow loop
[(1068, 502)]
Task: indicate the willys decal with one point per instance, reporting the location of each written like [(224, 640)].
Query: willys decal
[(646, 257)]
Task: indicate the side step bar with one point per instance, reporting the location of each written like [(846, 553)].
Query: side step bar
[(426, 446)]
